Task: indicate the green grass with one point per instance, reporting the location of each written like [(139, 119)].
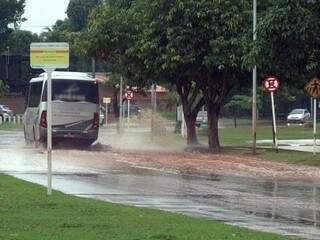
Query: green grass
[(10, 126), (242, 135), (27, 213), (292, 157), (168, 115)]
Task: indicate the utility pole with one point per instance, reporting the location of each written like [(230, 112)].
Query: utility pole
[(254, 86), (152, 111), (93, 65), (7, 63), (120, 102)]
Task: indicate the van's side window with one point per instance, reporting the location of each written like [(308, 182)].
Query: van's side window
[(35, 94)]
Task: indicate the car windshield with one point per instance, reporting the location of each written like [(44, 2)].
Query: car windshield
[(73, 91), (297, 111)]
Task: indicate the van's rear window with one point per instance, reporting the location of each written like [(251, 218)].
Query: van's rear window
[(73, 91)]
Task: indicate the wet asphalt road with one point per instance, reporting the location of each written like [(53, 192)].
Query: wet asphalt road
[(285, 207)]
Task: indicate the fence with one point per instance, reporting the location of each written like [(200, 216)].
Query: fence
[(17, 119)]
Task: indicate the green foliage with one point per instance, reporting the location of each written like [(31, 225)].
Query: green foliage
[(19, 41), (10, 12), (78, 12), (240, 102), (4, 88), (11, 126), (288, 41), (174, 97)]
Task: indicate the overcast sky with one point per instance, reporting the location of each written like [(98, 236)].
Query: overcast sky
[(43, 13)]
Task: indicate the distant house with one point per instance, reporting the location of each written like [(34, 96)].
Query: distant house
[(141, 98)]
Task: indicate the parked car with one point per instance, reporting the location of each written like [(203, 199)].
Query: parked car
[(298, 116), (134, 110), (5, 112), (202, 118)]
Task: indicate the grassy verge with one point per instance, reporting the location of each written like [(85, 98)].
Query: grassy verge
[(168, 115), (292, 157), (242, 135), (27, 213), (11, 126)]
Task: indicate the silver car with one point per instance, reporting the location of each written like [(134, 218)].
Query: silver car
[(5, 112), (298, 116)]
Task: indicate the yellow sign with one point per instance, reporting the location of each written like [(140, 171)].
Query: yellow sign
[(106, 100), (49, 55), (313, 88)]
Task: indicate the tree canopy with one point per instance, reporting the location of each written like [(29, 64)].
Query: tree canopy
[(78, 12), (204, 48), (288, 42), (10, 13)]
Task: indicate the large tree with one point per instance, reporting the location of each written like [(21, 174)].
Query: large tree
[(200, 43), (78, 12), (10, 13), (156, 44), (197, 46), (125, 33), (288, 42)]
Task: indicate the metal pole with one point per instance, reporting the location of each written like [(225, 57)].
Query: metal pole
[(254, 86), (128, 113), (155, 98), (314, 126), (274, 122), (93, 63), (106, 114), (311, 107), (49, 129), (120, 101), (152, 110), (7, 63), (315, 200)]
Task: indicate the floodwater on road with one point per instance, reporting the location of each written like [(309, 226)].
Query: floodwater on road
[(289, 207)]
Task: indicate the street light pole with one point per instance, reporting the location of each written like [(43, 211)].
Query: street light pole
[(254, 86)]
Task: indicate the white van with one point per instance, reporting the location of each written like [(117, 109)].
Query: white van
[(75, 108)]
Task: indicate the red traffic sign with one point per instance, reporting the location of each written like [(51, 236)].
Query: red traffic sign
[(129, 95), (271, 83)]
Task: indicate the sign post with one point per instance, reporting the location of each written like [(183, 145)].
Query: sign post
[(49, 56), (314, 125), (313, 89), (106, 101), (272, 84), (129, 97)]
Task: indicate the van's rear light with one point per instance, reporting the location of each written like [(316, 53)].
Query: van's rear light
[(43, 119), (95, 123)]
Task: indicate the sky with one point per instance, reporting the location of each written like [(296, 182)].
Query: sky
[(43, 13)]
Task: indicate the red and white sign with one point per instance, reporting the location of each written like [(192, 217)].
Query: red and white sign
[(271, 83), (129, 95)]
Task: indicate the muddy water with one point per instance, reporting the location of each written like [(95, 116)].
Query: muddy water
[(281, 206)]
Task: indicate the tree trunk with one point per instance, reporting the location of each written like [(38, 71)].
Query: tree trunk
[(191, 104), (116, 108), (213, 134), (191, 130)]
